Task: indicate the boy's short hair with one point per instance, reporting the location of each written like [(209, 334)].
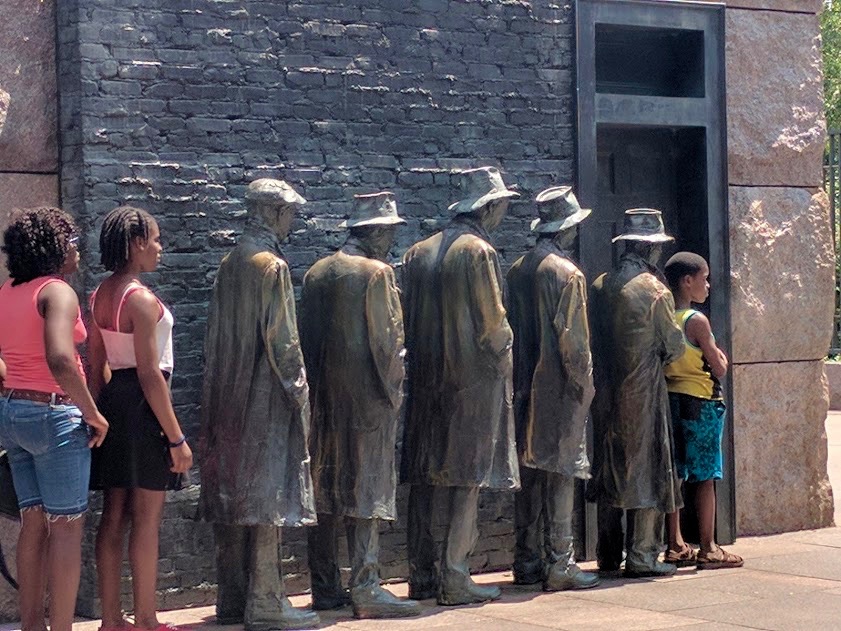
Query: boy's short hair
[(683, 264)]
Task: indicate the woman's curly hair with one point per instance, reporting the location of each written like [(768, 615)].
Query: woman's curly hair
[(36, 242)]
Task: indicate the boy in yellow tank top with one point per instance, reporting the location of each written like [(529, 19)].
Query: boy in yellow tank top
[(698, 412)]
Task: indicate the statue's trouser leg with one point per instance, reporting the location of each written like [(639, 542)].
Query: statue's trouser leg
[(561, 570), (558, 502), (423, 577), (323, 554), (363, 539), (265, 589), (611, 541), (645, 537), (462, 533), (369, 599), (232, 561), (528, 503)]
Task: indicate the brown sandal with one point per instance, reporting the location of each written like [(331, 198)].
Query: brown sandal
[(680, 558), (718, 559)]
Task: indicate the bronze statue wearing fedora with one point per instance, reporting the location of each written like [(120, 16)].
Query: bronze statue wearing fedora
[(635, 336), (459, 431), (255, 418), (553, 388), (351, 328)]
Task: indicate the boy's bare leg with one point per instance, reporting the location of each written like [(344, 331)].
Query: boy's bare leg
[(705, 507), (673, 531)]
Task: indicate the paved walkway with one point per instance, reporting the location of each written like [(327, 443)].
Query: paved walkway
[(790, 582)]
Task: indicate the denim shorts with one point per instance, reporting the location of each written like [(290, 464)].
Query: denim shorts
[(48, 453)]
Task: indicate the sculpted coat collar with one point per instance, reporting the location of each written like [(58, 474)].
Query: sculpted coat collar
[(261, 234), (636, 259), (471, 224), (355, 247), (548, 245)]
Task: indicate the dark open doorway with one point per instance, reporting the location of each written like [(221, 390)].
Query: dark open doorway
[(651, 167), (651, 133)]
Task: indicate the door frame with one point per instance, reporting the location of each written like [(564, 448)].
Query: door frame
[(708, 112)]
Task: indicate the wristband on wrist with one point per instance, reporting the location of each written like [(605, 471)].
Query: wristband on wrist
[(178, 442)]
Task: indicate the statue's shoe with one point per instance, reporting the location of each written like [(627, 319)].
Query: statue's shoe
[(468, 593), (329, 602), (229, 617), (287, 617), (522, 578), (372, 601), (656, 569), (423, 591), (571, 577)]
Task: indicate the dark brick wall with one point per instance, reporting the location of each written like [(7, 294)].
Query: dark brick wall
[(175, 105)]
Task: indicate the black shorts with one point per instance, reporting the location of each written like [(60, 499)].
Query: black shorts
[(135, 452)]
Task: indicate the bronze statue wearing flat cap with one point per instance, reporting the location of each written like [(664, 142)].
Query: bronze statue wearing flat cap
[(255, 418), (459, 430), (553, 388), (351, 328), (635, 336)]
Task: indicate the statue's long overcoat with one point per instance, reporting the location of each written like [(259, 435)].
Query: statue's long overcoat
[(351, 328), (553, 368), (255, 416), (459, 420), (635, 335)]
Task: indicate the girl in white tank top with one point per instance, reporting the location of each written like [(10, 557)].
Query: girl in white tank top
[(131, 341)]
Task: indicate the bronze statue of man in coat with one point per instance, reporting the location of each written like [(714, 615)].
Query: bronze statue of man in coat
[(635, 336), (459, 428), (553, 388), (255, 418), (351, 327)]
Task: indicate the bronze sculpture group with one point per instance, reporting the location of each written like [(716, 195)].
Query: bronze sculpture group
[(300, 414)]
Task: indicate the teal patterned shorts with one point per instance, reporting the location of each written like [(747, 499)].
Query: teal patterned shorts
[(698, 428)]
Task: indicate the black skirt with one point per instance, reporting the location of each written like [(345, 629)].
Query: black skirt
[(135, 452)]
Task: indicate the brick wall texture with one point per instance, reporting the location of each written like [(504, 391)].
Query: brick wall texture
[(176, 105)]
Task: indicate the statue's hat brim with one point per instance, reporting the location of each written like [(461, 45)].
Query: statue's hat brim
[(373, 209), (564, 224), (469, 205), (651, 238), (376, 221)]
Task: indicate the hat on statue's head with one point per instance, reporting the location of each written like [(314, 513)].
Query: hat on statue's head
[(479, 187), (270, 191), (643, 224), (375, 209), (558, 209)]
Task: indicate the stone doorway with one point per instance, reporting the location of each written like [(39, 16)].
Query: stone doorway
[(651, 133)]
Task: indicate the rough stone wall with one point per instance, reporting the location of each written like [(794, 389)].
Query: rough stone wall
[(28, 111), (28, 154), (782, 264), (175, 105)]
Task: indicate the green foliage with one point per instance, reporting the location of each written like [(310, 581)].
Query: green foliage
[(831, 36)]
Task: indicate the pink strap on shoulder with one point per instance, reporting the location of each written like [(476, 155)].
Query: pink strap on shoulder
[(47, 281), (129, 290), (92, 301)]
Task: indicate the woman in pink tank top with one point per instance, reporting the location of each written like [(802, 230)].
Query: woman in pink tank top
[(48, 419), (145, 452)]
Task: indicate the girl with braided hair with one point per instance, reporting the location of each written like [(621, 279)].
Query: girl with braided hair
[(48, 418), (146, 451)]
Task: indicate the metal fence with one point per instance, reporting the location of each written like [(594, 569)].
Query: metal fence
[(832, 185)]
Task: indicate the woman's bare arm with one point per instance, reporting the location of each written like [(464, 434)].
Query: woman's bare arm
[(143, 311), (59, 306)]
